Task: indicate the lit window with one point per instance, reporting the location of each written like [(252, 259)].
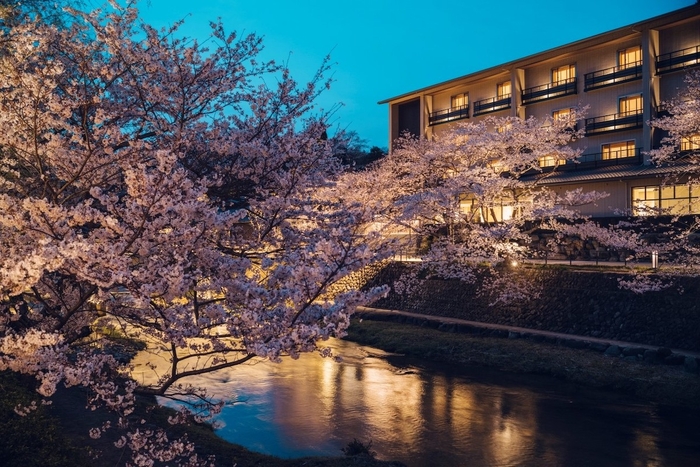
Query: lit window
[(475, 210), (551, 161), (618, 150), (459, 101), (503, 90), (630, 105), (561, 114), (645, 200), (496, 165), (690, 143), (566, 116), (667, 199), (563, 74), (630, 57), (504, 128)]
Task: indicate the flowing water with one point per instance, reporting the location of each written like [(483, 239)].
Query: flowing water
[(426, 415)]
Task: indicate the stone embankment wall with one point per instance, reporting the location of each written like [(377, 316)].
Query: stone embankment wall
[(584, 303)]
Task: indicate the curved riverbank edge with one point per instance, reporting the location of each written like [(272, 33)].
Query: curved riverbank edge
[(621, 367)]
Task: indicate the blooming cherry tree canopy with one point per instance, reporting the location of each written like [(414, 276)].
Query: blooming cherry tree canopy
[(182, 190), (472, 194)]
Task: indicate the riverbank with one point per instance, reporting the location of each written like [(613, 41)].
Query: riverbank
[(667, 385), (582, 302)]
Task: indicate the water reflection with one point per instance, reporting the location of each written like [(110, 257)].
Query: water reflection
[(424, 417)]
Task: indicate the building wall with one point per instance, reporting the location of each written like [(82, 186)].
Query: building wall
[(618, 199), (671, 85), (680, 36)]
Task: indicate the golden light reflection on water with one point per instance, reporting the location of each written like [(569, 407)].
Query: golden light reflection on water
[(645, 446), (418, 417)]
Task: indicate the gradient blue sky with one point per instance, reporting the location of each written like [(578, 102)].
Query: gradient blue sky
[(384, 48)]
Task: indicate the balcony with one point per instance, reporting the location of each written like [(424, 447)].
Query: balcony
[(594, 161), (549, 91), (492, 104), (678, 60), (448, 115), (614, 122), (621, 157), (611, 76)]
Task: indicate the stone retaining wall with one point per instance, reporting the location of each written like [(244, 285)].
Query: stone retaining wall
[(584, 303)]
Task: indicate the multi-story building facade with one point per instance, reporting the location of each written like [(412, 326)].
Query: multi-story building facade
[(622, 76)]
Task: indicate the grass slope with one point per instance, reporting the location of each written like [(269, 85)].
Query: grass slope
[(668, 385)]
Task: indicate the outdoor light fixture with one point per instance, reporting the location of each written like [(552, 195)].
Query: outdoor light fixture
[(654, 259), (513, 263)]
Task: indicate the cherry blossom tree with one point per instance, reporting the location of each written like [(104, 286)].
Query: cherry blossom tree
[(472, 194), (678, 153), (668, 230), (681, 125), (178, 191), (13, 12)]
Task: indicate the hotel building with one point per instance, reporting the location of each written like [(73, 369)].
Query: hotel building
[(623, 76)]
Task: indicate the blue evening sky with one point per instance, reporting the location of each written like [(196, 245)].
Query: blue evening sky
[(384, 48)]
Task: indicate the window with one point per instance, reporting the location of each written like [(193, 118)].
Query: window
[(565, 115), (503, 90), (690, 143), (667, 199), (645, 200), (459, 101), (551, 161), (630, 57), (630, 105), (499, 211), (561, 114), (563, 74), (618, 150), (504, 128)]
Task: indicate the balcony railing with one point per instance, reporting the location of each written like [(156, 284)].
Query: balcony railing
[(448, 115), (611, 76), (492, 104), (678, 59), (614, 122), (549, 91), (593, 161), (622, 156)]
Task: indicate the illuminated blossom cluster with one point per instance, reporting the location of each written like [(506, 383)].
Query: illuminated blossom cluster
[(468, 197)]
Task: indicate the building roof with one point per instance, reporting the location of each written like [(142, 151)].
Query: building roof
[(635, 28), (617, 172)]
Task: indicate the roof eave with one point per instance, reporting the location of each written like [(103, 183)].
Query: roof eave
[(635, 28)]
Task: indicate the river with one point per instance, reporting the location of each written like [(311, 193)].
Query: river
[(425, 414)]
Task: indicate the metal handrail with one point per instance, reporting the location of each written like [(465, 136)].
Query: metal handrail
[(449, 114), (612, 75), (546, 91), (598, 157), (492, 104), (595, 160), (682, 58), (614, 122)]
